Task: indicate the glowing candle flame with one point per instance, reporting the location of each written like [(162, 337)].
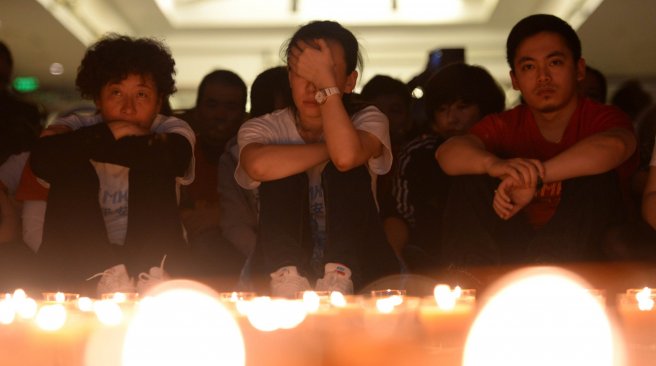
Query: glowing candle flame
[(337, 299), (289, 313), (386, 305), (241, 306), (183, 323), (85, 304), (312, 301), (27, 308), (60, 297), (538, 316), (51, 317), (19, 294), (7, 312), (445, 297), (108, 312), (645, 301)]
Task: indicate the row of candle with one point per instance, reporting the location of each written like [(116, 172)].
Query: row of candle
[(446, 301), (386, 318)]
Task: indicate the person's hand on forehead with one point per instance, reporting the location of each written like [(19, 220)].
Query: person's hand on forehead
[(313, 61)]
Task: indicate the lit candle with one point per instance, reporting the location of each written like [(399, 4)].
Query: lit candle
[(447, 316), (638, 316)]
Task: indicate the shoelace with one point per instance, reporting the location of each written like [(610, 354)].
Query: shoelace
[(146, 276), (97, 275)]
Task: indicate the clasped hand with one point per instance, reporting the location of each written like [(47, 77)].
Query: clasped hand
[(519, 179)]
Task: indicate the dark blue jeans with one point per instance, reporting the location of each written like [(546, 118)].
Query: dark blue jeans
[(474, 235), (355, 235)]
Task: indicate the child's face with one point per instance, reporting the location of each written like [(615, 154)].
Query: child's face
[(133, 99), (220, 111)]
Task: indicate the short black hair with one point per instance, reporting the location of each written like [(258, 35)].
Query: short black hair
[(329, 30), (386, 85), (468, 83), (115, 56), (538, 23), (226, 77), (268, 85)]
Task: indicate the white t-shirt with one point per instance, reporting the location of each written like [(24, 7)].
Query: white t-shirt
[(114, 179), (32, 212), (11, 171), (279, 128)]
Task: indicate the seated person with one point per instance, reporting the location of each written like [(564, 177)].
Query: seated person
[(314, 164), (538, 183), (393, 98), (114, 176), (456, 97), (219, 111), (238, 206)]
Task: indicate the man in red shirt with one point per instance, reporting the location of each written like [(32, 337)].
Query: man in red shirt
[(545, 184)]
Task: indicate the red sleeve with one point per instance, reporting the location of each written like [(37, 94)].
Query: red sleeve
[(489, 130), (29, 189)]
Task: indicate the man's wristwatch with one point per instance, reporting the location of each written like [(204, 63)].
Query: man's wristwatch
[(322, 95)]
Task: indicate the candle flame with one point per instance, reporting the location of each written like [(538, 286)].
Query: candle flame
[(85, 304), (268, 314), (645, 300), (387, 305), (183, 323), (60, 297), (7, 312), (312, 301), (538, 316), (19, 294), (51, 317), (108, 312), (26, 308), (445, 297), (337, 299)]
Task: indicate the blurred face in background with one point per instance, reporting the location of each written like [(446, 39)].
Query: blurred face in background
[(455, 118), (397, 111), (220, 112)]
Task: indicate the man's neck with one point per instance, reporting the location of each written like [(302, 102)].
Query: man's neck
[(552, 124)]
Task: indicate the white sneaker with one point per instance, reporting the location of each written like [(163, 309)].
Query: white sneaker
[(155, 276), (336, 277), (286, 282), (114, 279)]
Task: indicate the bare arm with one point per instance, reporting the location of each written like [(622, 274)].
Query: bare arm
[(467, 155), (347, 147), (649, 198), (595, 154), (269, 162)]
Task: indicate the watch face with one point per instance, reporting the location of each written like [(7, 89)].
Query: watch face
[(320, 97)]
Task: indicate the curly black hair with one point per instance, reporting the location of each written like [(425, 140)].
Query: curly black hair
[(115, 56)]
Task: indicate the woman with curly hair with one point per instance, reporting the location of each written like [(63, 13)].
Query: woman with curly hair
[(114, 177)]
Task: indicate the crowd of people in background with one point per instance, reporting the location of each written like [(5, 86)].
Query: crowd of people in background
[(317, 186)]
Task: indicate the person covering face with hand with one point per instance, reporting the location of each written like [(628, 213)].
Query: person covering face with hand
[(313, 164)]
